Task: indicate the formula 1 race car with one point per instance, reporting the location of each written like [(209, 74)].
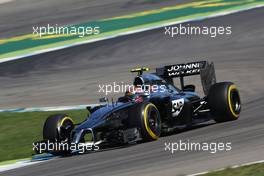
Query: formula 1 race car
[(158, 107)]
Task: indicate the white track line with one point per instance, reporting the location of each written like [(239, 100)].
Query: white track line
[(126, 33), (18, 165), (5, 1), (45, 109), (235, 166), (27, 163)]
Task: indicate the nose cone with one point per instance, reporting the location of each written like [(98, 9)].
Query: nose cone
[(96, 120)]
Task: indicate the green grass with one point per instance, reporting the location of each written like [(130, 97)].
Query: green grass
[(19, 130), (251, 170)]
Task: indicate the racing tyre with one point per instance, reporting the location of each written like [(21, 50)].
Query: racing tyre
[(224, 101), (57, 128), (147, 119)]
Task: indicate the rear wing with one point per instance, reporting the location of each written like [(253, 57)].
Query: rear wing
[(203, 68)]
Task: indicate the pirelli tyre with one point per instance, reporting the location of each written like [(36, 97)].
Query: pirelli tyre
[(146, 117), (57, 129), (224, 101)]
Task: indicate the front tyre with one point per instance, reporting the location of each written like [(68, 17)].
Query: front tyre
[(57, 129), (147, 119), (224, 101)]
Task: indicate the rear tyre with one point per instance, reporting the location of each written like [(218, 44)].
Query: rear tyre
[(146, 117), (57, 129), (224, 101)]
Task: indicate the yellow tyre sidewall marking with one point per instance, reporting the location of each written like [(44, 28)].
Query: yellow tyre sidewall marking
[(64, 119), (150, 132), (232, 87)]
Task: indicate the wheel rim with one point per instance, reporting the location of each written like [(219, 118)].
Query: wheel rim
[(65, 128), (235, 101), (153, 120)]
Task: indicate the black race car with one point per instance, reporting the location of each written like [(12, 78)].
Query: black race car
[(159, 107)]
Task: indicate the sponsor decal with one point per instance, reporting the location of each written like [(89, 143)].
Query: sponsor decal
[(177, 106), (184, 69)]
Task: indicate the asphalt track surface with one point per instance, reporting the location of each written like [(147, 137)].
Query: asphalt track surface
[(71, 76), (17, 17)]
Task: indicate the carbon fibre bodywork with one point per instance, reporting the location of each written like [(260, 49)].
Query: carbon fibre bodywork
[(159, 107), (178, 108)]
